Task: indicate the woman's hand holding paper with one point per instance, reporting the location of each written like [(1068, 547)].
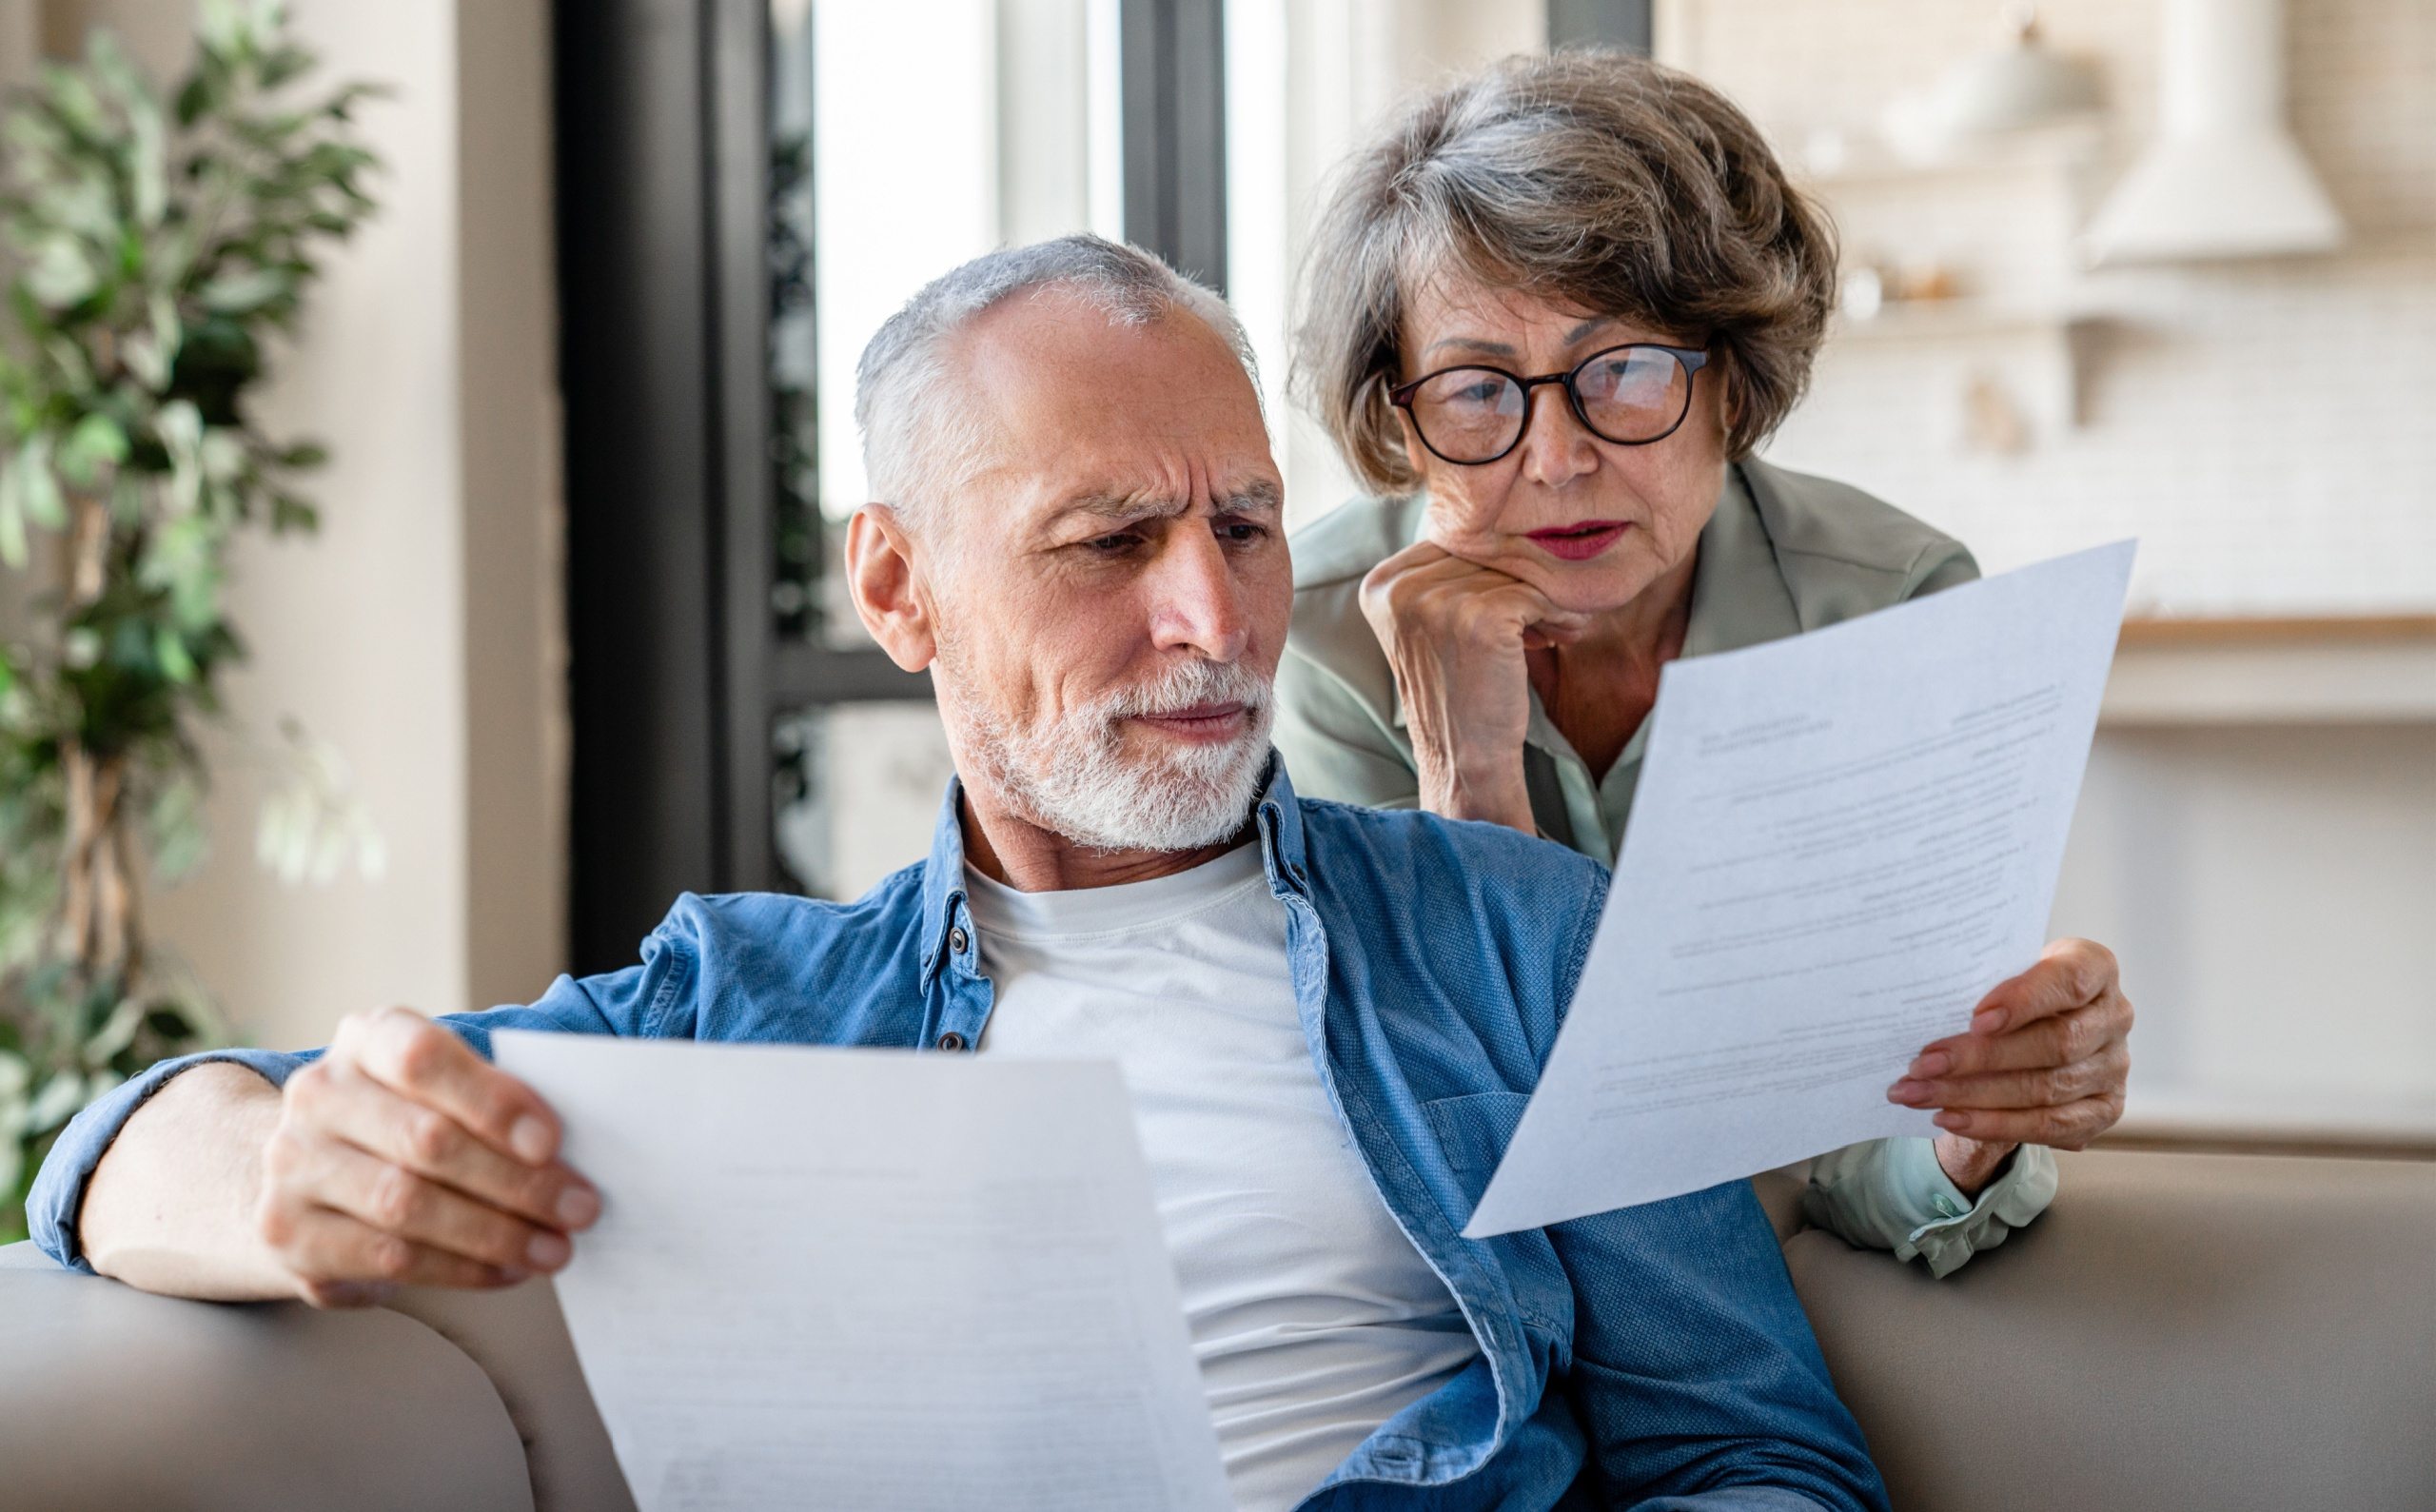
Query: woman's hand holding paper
[(2043, 1063)]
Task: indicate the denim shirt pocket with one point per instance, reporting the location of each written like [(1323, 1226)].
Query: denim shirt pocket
[(1472, 1132)]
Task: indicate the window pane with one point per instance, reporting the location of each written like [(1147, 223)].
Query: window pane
[(904, 140), (859, 786)]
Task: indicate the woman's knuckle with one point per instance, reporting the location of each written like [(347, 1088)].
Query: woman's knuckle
[(2078, 1037)]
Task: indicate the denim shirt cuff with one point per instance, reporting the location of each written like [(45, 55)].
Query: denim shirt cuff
[(58, 1194), (1946, 1229)]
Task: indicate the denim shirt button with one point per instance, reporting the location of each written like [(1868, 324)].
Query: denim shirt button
[(957, 939), (951, 1040)]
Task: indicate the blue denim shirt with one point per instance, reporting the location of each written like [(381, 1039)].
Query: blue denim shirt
[(1653, 1357)]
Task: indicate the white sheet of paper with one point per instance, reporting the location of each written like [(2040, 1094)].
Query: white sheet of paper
[(860, 1277), (1838, 843)]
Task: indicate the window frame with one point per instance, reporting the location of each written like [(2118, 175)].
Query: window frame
[(677, 675)]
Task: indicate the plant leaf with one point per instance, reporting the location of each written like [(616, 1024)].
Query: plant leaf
[(170, 649), (55, 1103), (96, 443), (12, 518), (45, 505), (61, 276)]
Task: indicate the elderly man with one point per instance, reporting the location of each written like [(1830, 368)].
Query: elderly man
[(1328, 1018)]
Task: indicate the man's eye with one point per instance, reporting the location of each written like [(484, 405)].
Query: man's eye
[(1241, 532), (1115, 541)]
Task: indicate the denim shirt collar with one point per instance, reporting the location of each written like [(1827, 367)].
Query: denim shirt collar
[(944, 909)]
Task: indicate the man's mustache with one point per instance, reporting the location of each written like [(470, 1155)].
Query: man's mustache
[(1188, 685)]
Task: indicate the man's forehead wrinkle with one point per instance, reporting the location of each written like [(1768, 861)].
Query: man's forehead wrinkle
[(1121, 504)]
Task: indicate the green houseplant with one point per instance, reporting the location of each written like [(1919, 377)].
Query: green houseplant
[(157, 243)]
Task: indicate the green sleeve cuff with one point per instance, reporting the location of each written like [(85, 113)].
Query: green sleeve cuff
[(1892, 1194)]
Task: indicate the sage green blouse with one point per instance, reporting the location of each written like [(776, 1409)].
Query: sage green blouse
[(1783, 552)]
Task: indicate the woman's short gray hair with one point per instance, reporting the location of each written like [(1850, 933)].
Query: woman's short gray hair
[(918, 437), (1594, 179)]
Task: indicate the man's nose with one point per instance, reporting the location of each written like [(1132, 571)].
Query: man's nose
[(1196, 604), (1557, 447)]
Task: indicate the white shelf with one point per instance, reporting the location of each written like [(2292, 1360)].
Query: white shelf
[(2377, 673), (2176, 1114)]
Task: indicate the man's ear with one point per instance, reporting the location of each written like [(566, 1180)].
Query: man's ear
[(880, 572)]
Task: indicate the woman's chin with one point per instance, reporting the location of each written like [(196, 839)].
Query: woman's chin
[(1583, 588)]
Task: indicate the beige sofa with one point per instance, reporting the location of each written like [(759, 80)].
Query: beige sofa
[(2183, 1332)]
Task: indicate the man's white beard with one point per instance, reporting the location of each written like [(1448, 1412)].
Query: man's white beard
[(1071, 775)]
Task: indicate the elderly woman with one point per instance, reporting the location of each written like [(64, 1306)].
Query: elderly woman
[(1549, 315)]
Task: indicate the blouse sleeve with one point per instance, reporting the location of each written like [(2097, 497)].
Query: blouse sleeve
[(1892, 1194), (1335, 744)]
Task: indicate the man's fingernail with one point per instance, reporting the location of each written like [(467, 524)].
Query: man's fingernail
[(1929, 1063), (1951, 1121), (512, 1274), (1906, 1090), (547, 1252), (1986, 1021), (530, 1139), (578, 1205)]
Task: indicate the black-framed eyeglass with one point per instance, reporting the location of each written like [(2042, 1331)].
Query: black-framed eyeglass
[(1630, 395)]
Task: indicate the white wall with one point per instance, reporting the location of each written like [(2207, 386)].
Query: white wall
[(2267, 873), (1307, 80), (2260, 425), (418, 632)]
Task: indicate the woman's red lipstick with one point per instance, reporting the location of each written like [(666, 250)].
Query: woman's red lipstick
[(1581, 541)]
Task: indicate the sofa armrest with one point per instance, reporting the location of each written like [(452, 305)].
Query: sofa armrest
[(110, 1397), (2178, 1331)]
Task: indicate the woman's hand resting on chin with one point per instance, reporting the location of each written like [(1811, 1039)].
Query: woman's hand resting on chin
[(1455, 634)]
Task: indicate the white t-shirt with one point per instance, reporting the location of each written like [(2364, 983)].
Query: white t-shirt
[(1313, 1317)]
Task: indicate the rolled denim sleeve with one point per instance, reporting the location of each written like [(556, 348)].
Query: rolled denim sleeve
[(630, 1001), (1892, 1194), (58, 1191)]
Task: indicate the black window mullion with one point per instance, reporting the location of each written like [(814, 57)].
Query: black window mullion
[(736, 213), (1600, 23), (1172, 88)]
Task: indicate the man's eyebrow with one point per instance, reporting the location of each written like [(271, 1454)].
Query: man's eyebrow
[(1260, 494), (1117, 507)]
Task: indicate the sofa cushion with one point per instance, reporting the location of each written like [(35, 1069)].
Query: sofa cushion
[(113, 1398), (2180, 1331)]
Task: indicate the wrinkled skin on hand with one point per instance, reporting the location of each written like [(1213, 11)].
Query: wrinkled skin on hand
[(2044, 1063), (403, 1158)]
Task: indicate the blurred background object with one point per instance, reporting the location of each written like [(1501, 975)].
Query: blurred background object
[(164, 234), (2223, 177), (719, 200)]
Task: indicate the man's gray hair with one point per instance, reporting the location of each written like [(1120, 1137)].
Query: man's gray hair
[(918, 437)]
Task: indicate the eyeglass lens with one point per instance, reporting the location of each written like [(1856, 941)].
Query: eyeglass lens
[(1630, 395)]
